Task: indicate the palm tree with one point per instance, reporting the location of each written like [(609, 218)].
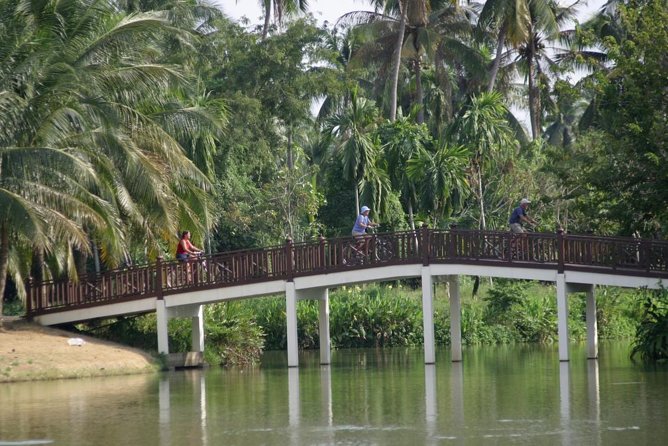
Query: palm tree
[(403, 140), (434, 33), (482, 127), (354, 144), (514, 23), (280, 8), (440, 178), (78, 97)]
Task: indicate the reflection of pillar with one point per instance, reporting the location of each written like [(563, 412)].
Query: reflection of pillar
[(592, 328), (455, 319), (293, 404), (430, 401), (457, 393), (428, 315), (161, 320), (594, 395), (323, 327), (198, 329), (565, 401), (164, 417), (326, 389), (562, 316), (291, 322), (202, 408)]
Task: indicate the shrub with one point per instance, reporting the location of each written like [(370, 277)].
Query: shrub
[(651, 340)]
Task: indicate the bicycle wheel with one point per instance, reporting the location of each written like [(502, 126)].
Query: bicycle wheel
[(384, 251), (351, 256)]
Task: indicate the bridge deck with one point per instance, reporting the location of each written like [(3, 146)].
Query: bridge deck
[(475, 252)]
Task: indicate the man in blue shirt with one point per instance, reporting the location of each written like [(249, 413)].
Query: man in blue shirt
[(363, 222), (359, 230), (520, 216)]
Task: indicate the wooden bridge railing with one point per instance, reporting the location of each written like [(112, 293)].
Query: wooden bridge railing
[(533, 250)]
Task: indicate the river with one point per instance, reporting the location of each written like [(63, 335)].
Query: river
[(519, 394)]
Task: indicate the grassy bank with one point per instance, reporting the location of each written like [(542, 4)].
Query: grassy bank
[(29, 352)]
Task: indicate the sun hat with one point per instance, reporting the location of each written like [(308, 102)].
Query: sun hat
[(364, 209), (525, 201)]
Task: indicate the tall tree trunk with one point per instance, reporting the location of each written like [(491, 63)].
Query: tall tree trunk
[(267, 18), (290, 160), (4, 262), (419, 94), (497, 60), (396, 63), (534, 94), (481, 201), (357, 199)]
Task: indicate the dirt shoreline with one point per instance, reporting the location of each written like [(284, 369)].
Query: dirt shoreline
[(30, 352)]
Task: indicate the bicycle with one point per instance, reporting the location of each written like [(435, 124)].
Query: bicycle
[(366, 249)]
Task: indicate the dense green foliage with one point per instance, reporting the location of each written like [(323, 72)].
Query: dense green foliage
[(123, 123), (651, 341)]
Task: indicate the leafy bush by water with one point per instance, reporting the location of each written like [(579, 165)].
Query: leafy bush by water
[(651, 341)]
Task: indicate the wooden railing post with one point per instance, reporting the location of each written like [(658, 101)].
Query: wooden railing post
[(158, 277), (29, 297), (426, 244), (560, 250), (323, 256), (289, 258)]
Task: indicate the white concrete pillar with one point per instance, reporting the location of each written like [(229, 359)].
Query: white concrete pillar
[(455, 319), (562, 317), (198, 330), (291, 322), (161, 319), (428, 315), (323, 327), (592, 326)]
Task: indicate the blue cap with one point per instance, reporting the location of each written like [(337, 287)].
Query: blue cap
[(364, 209)]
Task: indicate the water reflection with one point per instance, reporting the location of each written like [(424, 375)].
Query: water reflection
[(431, 406), (565, 402), (293, 404), (593, 392), (496, 396)]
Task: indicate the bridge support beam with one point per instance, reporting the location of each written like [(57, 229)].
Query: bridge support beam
[(291, 322), (562, 316), (428, 315), (323, 327), (455, 319), (592, 326), (198, 330), (162, 318)]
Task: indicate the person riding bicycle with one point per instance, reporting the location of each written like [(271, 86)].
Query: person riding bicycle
[(520, 216), (185, 249), (359, 229)]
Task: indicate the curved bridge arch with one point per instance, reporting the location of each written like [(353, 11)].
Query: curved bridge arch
[(309, 269)]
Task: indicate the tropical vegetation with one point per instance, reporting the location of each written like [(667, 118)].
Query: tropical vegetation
[(122, 123)]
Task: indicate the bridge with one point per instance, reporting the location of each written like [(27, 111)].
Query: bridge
[(307, 270)]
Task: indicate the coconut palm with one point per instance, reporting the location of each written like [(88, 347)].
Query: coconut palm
[(514, 21), (280, 9), (83, 93), (354, 145)]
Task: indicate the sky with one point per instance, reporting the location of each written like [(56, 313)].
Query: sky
[(331, 10)]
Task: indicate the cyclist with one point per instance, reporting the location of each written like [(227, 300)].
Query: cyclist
[(359, 229), (520, 216), (185, 249)]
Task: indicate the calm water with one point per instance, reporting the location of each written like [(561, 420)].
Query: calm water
[(498, 395)]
